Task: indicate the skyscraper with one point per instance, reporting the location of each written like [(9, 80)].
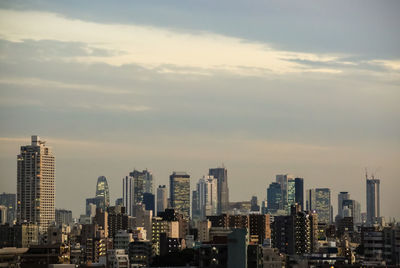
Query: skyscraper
[(291, 193), (221, 174), (127, 194), (134, 186), (299, 189), (102, 190), (162, 198), (342, 196), (36, 184), (274, 197), (207, 196), (373, 200), (319, 199), (179, 183), (283, 180)]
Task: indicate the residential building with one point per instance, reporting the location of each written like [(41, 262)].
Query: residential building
[(36, 184)]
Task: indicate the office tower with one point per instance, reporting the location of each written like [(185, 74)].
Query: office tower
[(195, 205), (319, 199), (221, 174), (148, 201), (299, 191), (102, 190), (283, 179), (63, 216), (254, 204), (342, 196), (207, 196), (93, 203), (162, 198), (119, 202), (10, 202), (291, 193), (351, 208), (373, 199), (179, 185), (274, 197), (36, 184)]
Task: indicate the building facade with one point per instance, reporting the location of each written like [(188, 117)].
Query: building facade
[(180, 192), (373, 200), (221, 174), (36, 184), (162, 198), (102, 190)]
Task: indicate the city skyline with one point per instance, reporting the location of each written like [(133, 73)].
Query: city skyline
[(306, 88)]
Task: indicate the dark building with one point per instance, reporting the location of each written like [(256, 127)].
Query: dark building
[(149, 201), (295, 234), (219, 221), (254, 204), (259, 227), (9, 201), (255, 256), (99, 201), (63, 216), (221, 174), (117, 220), (140, 253), (299, 192), (238, 221), (169, 244), (213, 255), (43, 255), (274, 197)]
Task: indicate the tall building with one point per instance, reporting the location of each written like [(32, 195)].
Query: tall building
[(148, 202), (283, 180), (102, 190), (299, 189), (291, 193), (254, 204), (179, 185), (373, 200), (221, 174), (63, 216), (351, 208), (10, 202), (207, 196), (342, 196), (319, 199), (127, 194), (134, 186), (36, 184), (274, 197), (162, 198)]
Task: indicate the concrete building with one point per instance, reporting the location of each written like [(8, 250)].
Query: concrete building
[(117, 258), (63, 217), (122, 239), (259, 228), (36, 184), (204, 231), (180, 192), (373, 200), (20, 235), (162, 198), (221, 174), (10, 202), (140, 253)]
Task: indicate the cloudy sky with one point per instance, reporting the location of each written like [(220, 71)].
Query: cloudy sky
[(310, 88)]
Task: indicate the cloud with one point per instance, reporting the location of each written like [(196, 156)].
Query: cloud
[(118, 44)]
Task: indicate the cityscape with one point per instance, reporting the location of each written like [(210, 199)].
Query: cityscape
[(172, 226), (225, 134)]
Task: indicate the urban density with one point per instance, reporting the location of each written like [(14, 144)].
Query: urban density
[(146, 227)]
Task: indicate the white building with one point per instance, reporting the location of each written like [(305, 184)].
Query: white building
[(207, 196)]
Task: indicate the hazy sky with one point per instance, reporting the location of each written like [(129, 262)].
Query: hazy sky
[(310, 88)]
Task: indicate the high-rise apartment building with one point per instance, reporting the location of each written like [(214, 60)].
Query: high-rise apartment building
[(102, 190), (221, 174), (373, 200), (10, 202), (207, 196), (36, 184), (179, 183), (319, 199), (162, 198)]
